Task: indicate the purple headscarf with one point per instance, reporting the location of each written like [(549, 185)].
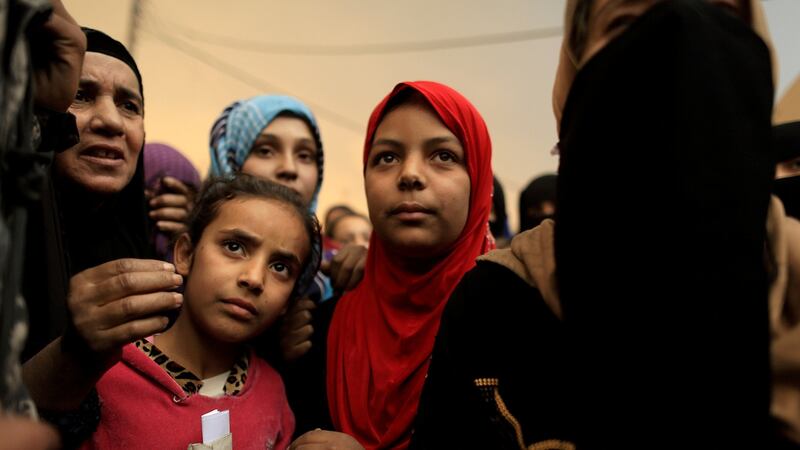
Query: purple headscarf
[(161, 160)]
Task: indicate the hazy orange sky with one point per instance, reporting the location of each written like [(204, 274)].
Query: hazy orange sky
[(189, 79)]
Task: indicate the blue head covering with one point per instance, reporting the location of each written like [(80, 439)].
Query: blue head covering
[(237, 128)]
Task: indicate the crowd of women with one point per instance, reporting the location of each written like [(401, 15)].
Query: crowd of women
[(651, 303)]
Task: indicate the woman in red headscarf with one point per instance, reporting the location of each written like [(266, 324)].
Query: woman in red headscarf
[(428, 178)]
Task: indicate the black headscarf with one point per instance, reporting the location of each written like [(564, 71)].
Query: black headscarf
[(786, 141), (99, 42), (499, 225), (69, 233), (541, 189), (666, 298)]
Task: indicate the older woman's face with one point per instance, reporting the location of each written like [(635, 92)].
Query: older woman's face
[(109, 112), (610, 18)]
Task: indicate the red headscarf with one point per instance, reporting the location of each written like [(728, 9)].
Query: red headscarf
[(382, 333)]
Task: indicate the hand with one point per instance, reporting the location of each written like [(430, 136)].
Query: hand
[(346, 269), (322, 440), (58, 51), (19, 432), (296, 330), (171, 210), (120, 302)]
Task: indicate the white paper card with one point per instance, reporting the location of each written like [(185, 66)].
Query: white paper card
[(215, 425)]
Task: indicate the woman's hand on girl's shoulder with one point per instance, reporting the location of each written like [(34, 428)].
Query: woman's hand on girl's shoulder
[(120, 302), (325, 440)]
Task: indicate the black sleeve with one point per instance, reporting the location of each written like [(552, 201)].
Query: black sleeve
[(451, 412), (75, 427), (305, 378), (495, 326)]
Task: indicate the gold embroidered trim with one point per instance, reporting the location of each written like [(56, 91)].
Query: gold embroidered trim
[(489, 387), (552, 444)]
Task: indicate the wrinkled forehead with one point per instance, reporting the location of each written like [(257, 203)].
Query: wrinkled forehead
[(108, 71)]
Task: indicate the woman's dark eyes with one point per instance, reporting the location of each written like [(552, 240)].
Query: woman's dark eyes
[(445, 156), (81, 96), (131, 106), (385, 158), (306, 155), (285, 271), (233, 246)]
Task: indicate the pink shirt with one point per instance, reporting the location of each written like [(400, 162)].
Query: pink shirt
[(142, 407)]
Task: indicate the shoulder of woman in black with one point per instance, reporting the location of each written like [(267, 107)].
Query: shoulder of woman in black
[(497, 373)]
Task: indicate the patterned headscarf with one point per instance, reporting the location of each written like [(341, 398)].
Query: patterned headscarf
[(237, 128)]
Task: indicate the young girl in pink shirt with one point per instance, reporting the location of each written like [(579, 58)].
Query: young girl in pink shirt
[(250, 247)]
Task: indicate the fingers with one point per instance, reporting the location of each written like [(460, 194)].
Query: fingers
[(136, 307), (171, 228), (177, 186), (347, 267), (310, 440), (299, 337), (121, 278), (299, 314), (169, 200), (128, 332), (321, 440), (297, 330), (121, 301), (357, 273), (170, 214), (296, 351), (133, 283), (171, 211), (325, 267), (126, 265), (62, 44)]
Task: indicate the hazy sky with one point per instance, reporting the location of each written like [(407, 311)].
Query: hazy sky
[(189, 79)]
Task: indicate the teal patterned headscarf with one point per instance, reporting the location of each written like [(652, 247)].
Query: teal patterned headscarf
[(237, 128)]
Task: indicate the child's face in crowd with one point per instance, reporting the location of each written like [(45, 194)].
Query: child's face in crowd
[(417, 183), (352, 230), (285, 152), (109, 112), (242, 272), (610, 18)]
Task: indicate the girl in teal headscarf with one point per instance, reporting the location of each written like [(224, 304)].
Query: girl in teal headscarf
[(274, 137), (270, 136)]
